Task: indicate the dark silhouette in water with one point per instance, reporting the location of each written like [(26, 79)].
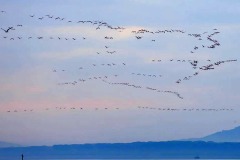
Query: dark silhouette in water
[(22, 156), (197, 157)]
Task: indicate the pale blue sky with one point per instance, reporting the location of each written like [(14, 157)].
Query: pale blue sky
[(28, 81)]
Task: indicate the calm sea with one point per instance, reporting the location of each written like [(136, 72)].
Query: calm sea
[(136, 159)]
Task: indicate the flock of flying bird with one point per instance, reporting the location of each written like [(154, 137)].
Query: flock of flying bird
[(138, 34), (143, 87), (61, 108), (193, 63), (98, 24), (195, 48), (117, 108), (96, 65), (204, 68), (186, 109)]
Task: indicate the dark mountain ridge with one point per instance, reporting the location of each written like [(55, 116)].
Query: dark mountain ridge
[(7, 144), (232, 135)]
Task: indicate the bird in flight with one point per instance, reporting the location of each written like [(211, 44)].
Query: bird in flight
[(7, 30)]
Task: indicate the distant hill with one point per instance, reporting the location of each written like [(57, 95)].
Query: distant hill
[(232, 135), (6, 144), (137, 150)]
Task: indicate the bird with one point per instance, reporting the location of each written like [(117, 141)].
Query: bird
[(111, 52), (138, 37), (7, 30)]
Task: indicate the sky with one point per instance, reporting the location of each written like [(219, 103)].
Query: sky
[(45, 81)]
